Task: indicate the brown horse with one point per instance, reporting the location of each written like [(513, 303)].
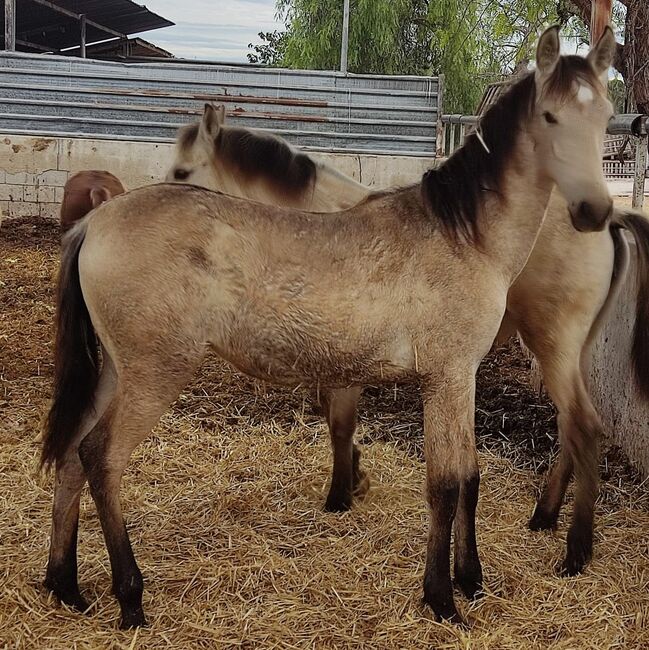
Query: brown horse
[(558, 303), (409, 285), (84, 191)]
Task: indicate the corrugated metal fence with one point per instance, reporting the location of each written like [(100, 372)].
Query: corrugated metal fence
[(55, 95)]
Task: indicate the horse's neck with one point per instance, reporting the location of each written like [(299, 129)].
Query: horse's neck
[(516, 214), (334, 191)]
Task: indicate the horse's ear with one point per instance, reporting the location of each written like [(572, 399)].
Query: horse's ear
[(220, 114), (547, 51), (210, 124), (602, 54)]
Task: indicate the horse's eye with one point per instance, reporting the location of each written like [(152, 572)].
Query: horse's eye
[(181, 174), (549, 118)]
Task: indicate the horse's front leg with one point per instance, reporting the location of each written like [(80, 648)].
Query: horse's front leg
[(347, 479), (452, 480)]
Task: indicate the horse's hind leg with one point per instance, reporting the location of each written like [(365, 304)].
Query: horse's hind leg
[(582, 436), (141, 398), (549, 504), (347, 479), (579, 432), (61, 577)]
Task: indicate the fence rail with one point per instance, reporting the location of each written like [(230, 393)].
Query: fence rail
[(330, 111), (634, 125)]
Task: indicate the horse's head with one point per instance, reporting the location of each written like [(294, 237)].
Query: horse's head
[(195, 152), (569, 123)]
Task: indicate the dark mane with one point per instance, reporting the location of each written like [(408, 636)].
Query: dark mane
[(258, 155), (453, 192)]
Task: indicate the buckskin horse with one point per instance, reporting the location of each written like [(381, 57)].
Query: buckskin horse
[(407, 285)]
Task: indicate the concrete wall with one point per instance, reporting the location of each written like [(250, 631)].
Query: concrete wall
[(33, 170)]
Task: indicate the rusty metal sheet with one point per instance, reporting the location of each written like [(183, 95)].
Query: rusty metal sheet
[(315, 109)]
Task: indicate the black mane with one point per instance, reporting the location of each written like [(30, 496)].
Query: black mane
[(259, 155), (453, 192)]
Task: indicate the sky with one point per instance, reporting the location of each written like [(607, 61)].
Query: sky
[(218, 30)]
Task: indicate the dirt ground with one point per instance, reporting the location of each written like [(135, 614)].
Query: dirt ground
[(224, 505)]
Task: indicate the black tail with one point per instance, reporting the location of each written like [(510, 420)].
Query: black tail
[(638, 224), (76, 361)]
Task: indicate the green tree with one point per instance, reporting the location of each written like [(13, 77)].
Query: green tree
[(472, 42), (390, 37), (271, 49)]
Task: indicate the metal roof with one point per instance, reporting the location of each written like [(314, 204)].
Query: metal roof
[(40, 26), (124, 49)]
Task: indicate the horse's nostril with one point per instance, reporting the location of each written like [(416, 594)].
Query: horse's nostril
[(591, 216)]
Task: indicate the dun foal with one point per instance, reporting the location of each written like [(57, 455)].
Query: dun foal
[(409, 285)]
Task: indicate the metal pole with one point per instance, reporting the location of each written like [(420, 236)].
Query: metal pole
[(640, 173), (10, 25), (82, 29), (345, 43), (440, 144)]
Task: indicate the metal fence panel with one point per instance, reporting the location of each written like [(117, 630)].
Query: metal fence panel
[(327, 111)]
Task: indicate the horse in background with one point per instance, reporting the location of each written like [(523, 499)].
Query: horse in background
[(85, 191)]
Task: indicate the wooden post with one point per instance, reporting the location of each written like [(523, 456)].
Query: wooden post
[(440, 144), (600, 17), (640, 173), (10, 25), (82, 40), (345, 43)]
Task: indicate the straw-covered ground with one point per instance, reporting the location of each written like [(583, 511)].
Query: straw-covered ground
[(224, 506)]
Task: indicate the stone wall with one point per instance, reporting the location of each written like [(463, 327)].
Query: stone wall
[(33, 170)]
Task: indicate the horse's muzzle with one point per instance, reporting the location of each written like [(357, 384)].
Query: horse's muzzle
[(591, 217)]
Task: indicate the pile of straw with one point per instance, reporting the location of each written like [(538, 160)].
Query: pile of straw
[(224, 507)]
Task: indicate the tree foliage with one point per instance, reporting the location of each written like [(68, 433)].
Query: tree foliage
[(471, 42), (271, 49)]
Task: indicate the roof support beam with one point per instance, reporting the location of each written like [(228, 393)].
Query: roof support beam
[(10, 25), (72, 14), (34, 46), (82, 40)]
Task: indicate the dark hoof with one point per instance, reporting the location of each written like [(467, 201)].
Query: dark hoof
[(578, 554), (133, 619), (448, 614), (70, 596), (444, 611), (470, 584), (335, 503), (542, 520)]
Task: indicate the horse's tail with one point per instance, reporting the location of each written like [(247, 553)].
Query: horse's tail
[(638, 224), (76, 360), (620, 267)]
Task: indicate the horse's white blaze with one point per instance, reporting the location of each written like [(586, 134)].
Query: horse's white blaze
[(585, 95)]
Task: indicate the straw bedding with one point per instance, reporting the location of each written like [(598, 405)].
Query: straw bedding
[(224, 506)]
